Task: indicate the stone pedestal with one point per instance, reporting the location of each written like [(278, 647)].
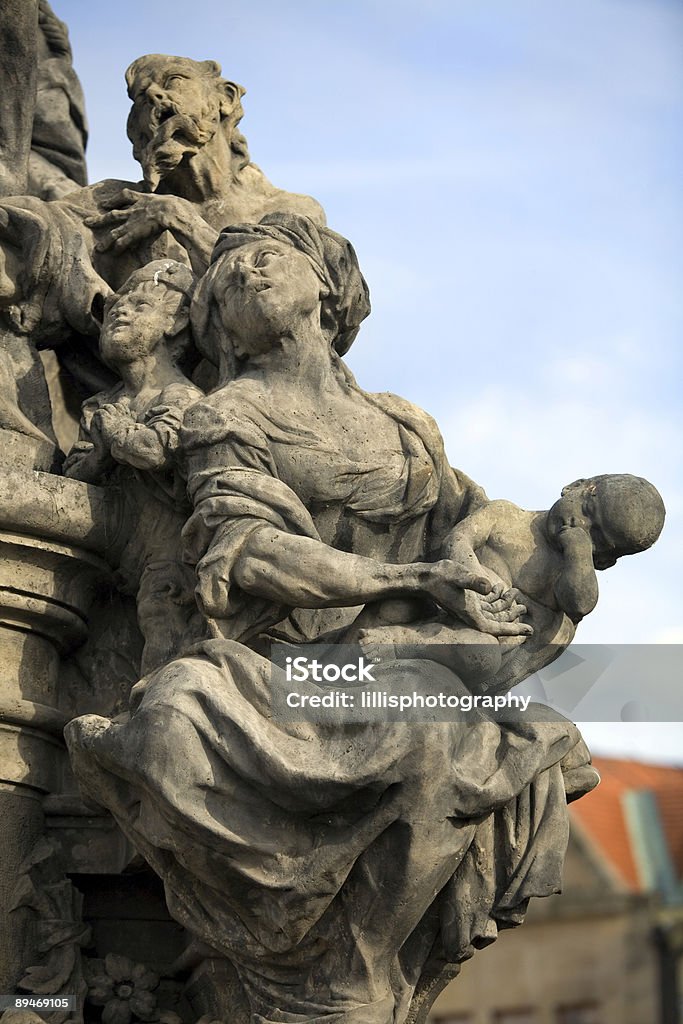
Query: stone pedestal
[(48, 574)]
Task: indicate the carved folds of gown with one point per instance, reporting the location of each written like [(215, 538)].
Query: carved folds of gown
[(275, 840)]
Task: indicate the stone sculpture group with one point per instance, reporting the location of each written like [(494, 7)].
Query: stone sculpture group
[(233, 488)]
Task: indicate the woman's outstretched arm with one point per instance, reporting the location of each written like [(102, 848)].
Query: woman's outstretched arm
[(305, 573)]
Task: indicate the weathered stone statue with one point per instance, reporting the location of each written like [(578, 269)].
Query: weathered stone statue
[(42, 151), (60, 260), (129, 440), (233, 489), (546, 559), (43, 129), (18, 73), (339, 869), (60, 132)]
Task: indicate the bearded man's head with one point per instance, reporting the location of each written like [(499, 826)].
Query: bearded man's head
[(178, 106)]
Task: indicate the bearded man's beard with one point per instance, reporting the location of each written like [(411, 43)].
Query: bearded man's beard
[(177, 136)]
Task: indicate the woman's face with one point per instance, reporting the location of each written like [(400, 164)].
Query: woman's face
[(264, 290)]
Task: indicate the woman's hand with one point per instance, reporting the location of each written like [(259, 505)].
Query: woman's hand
[(447, 579), (478, 602)]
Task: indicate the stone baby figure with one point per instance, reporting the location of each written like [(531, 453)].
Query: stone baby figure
[(129, 437), (545, 560)]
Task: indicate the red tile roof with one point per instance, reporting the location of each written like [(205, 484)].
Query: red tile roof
[(601, 813)]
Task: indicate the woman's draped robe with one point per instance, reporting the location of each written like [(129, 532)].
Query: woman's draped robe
[(327, 862)]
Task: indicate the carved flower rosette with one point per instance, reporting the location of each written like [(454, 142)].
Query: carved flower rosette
[(123, 988)]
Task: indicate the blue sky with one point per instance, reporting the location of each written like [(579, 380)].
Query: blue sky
[(510, 176)]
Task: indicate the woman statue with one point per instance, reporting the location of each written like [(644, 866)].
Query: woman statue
[(339, 868)]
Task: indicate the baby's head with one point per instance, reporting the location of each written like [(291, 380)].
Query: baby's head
[(151, 308), (624, 514)]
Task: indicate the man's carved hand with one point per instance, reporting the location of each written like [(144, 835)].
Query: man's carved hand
[(134, 216)]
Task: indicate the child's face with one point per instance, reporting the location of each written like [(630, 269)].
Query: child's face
[(597, 505), (137, 322), (585, 505), (572, 509)]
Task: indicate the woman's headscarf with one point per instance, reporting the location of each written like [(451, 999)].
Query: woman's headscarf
[(332, 257)]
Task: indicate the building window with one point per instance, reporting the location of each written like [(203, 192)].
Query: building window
[(578, 1013), (524, 1015)]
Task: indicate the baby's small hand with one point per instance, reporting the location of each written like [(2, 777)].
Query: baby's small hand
[(120, 409), (123, 405), (87, 462), (80, 451), (110, 417), (575, 535)]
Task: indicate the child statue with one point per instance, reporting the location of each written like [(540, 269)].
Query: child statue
[(546, 561), (129, 438)]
